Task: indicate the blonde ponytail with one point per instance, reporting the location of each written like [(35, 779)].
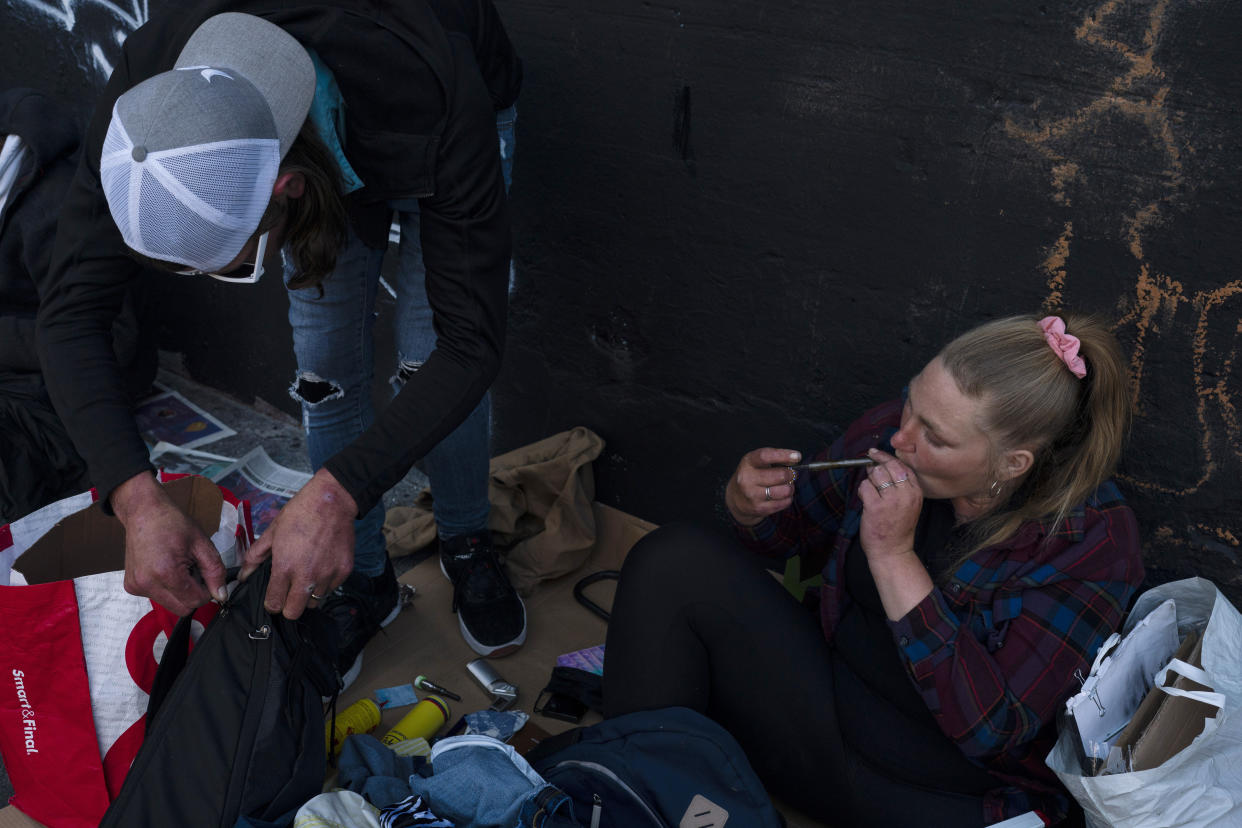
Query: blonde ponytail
[(1075, 428)]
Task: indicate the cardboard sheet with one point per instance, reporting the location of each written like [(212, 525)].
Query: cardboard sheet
[(425, 639), (90, 541), (10, 817), (1165, 725)]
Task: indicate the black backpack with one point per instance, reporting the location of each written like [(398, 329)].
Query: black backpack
[(670, 768), (237, 728)]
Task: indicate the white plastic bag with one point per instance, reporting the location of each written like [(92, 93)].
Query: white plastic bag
[(1200, 787)]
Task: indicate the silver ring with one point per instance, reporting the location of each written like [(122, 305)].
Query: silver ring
[(902, 480), (884, 485), (767, 492)]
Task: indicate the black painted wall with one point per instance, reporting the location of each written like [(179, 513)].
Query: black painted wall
[(740, 223)]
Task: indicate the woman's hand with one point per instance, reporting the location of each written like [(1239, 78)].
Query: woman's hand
[(892, 500), (756, 489)]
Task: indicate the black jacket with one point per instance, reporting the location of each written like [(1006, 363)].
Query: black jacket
[(422, 80), (38, 463), (28, 223), (27, 233)]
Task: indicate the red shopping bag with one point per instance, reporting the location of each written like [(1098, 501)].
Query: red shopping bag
[(78, 653)]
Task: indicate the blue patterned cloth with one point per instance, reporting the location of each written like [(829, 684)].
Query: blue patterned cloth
[(499, 724)]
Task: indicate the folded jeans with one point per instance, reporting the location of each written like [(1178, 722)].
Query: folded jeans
[(479, 782)]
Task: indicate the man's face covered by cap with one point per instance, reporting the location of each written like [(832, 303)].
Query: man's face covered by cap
[(188, 165)]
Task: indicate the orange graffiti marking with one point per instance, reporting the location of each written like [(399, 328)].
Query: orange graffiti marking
[(1054, 266), (1139, 94)]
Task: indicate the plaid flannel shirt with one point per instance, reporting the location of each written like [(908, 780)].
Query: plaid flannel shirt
[(994, 646)]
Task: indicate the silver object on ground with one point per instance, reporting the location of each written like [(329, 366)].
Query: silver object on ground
[(502, 692)]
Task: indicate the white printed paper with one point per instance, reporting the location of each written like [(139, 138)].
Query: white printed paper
[(263, 482), (171, 418), (1121, 677)]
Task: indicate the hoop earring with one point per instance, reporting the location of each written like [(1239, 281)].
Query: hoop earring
[(995, 489)]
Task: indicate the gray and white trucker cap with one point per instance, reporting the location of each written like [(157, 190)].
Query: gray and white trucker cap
[(191, 154)]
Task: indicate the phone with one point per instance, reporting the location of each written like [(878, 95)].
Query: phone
[(560, 706)]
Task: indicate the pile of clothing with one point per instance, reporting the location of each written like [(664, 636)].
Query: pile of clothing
[(478, 781)]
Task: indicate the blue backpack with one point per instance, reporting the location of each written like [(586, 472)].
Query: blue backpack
[(670, 768)]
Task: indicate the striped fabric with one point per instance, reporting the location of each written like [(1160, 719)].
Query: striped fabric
[(411, 812), (994, 647)]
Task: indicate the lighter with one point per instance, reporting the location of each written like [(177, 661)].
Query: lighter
[(424, 683), (502, 692)]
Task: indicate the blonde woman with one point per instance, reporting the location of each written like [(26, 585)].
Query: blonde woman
[(968, 573)]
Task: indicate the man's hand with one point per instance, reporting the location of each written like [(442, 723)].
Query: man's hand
[(167, 557), (311, 544)]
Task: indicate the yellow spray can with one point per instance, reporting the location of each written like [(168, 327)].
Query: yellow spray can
[(423, 721)]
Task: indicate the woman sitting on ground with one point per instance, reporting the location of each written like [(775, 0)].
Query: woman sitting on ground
[(971, 571)]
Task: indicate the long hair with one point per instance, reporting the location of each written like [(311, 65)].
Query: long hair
[(317, 223), (1075, 428)]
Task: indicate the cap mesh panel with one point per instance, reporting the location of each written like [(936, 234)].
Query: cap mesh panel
[(173, 232), (218, 196), (228, 178), (114, 168)]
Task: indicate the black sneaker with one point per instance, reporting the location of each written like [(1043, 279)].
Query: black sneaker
[(491, 615), (360, 607)]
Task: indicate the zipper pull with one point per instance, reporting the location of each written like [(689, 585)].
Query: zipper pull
[(597, 810), (263, 633)]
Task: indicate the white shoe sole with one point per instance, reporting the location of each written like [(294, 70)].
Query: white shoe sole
[(499, 650)]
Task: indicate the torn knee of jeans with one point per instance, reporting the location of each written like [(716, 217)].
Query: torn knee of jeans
[(312, 389), (406, 368)]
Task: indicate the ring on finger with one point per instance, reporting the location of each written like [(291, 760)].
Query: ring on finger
[(793, 475), (886, 484), (767, 492), (317, 597), (901, 480)]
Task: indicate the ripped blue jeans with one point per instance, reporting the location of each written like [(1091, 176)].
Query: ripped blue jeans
[(335, 350)]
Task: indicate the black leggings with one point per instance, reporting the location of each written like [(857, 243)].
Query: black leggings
[(698, 622)]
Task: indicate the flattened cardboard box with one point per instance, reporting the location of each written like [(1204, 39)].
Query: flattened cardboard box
[(90, 541), (425, 638), (10, 817)]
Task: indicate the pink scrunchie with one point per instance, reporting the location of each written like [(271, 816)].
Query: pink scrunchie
[(1063, 345)]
